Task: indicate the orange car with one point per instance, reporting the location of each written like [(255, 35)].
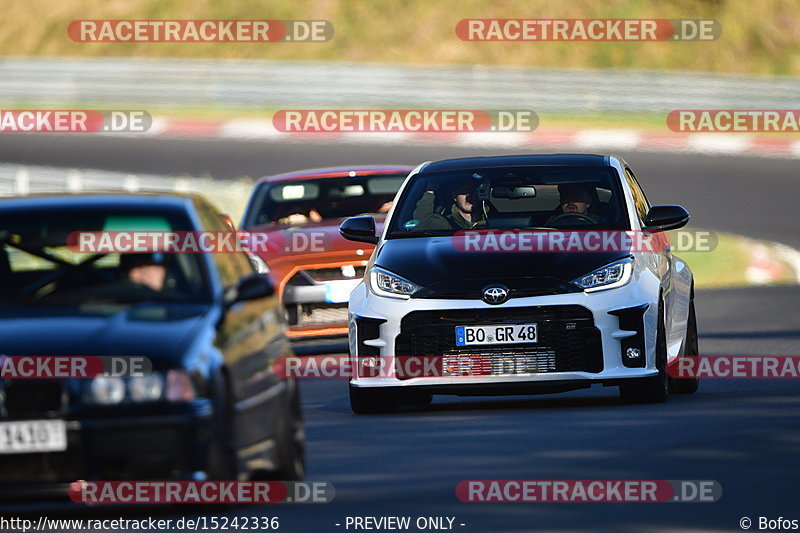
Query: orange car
[(313, 266)]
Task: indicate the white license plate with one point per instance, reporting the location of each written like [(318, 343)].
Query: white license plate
[(498, 334), (26, 436)]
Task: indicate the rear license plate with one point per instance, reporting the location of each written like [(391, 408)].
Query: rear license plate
[(505, 334), (26, 436)]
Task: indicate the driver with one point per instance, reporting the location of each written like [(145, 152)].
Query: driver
[(575, 198), (463, 213), (145, 269), (301, 216)]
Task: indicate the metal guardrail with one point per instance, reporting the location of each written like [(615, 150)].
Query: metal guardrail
[(26, 179), (175, 83), (229, 196)]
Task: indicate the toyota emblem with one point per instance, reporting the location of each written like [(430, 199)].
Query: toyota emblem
[(495, 295)]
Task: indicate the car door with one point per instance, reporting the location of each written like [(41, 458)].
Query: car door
[(251, 335)]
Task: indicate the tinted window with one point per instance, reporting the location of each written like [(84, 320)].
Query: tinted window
[(230, 266), (511, 198), (38, 267), (299, 202), (639, 199)]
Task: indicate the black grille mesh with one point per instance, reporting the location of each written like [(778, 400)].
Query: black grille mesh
[(567, 338), (24, 397)]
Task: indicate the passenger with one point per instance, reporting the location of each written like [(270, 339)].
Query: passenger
[(463, 213), (300, 217)]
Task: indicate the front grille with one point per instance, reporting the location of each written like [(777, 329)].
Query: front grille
[(336, 273), (499, 361), (321, 314), (24, 397), (568, 339), (473, 289), (499, 315)]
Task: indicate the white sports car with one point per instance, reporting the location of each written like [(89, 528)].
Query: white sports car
[(519, 275)]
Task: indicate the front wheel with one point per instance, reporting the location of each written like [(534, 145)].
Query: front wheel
[(291, 439), (655, 389), (223, 462), (688, 385)]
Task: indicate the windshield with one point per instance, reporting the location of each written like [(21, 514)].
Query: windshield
[(299, 202), (540, 197), (38, 268)]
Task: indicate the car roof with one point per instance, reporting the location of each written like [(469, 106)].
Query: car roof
[(107, 200), (589, 160), (337, 172)]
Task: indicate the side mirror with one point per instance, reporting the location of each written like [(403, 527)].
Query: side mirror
[(361, 229), (251, 287), (665, 218)]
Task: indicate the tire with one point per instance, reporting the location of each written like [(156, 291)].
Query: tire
[(688, 385), (291, 438), (223, 462), (655, 389), (366, 401)]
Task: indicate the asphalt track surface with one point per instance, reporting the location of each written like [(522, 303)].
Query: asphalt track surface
[(745, 434)]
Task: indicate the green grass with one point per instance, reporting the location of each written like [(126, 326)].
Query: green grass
[(726, 265), (757, 37)]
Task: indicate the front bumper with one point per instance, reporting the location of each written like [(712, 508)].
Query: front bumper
[(376, 331), (317, 311), (170, 445)]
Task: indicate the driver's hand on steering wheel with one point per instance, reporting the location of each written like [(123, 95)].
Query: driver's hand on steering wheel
[(574, 215)]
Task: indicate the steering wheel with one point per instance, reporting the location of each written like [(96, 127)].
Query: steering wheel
[(69, 272), (581, 216)]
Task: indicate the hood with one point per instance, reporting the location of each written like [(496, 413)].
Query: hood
[(158, 332), (444, 271)]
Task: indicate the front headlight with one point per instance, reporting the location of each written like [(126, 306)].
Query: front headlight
[(610, 276), (173, 386), (146, 388), (390, 285), (107, 390), (179, 387)]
